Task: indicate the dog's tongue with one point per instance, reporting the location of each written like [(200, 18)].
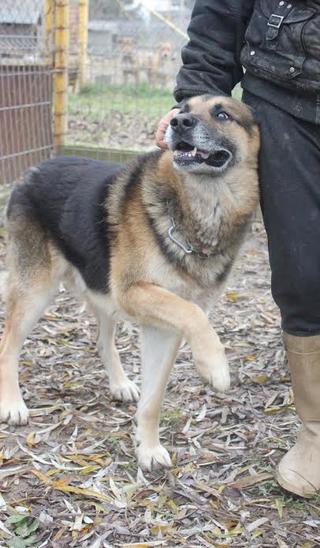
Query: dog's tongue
[(204, 154)]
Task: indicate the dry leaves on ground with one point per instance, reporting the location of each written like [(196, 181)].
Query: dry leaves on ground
[(70, 478)]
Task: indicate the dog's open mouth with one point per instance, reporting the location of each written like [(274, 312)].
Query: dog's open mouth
[(185, 154)]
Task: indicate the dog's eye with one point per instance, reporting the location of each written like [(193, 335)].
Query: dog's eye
[(222, 115)]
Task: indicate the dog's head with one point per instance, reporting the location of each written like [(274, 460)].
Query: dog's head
[(212, 134), (165, 50)]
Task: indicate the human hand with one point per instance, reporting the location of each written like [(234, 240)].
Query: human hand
[(162, 128)]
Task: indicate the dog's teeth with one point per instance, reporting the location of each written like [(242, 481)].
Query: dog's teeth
[(194, 152)]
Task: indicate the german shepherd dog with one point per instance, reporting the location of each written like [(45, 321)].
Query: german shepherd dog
[(152, 241)]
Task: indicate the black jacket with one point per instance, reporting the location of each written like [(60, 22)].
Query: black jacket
[(277, 41)]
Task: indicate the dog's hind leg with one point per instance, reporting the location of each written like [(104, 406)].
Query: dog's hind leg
[(120, 386), (32, 283), (24, 308), (159, 350)]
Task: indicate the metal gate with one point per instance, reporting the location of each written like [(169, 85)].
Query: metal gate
[(34, 45), (25, 118)]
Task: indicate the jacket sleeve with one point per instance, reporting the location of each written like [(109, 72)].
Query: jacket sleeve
[(211, 59)]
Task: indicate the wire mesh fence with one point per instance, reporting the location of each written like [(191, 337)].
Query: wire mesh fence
[(25, 118), (133, 55), (25, 86), (109, 74)]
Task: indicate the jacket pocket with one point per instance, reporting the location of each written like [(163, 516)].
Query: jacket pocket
[(274, 39)]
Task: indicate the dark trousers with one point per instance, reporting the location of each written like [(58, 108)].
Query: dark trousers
[(290, 200)]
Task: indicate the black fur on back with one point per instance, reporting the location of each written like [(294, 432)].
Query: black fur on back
[(67, 196)]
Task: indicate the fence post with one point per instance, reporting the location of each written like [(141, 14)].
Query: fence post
[(83, 40), (60, 81), (48, 26)]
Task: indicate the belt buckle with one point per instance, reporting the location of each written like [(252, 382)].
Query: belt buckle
[(275, 21)]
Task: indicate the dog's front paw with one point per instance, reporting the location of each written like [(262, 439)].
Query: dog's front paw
[(215, 371), (13, 411), (150, 458), (125, 391)]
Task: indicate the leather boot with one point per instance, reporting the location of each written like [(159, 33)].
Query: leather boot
[(299, 470)]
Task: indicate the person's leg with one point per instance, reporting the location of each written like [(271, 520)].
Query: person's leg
[(290, 192), (290, 199)]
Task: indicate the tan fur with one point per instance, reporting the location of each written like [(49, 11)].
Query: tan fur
[(167, 291)]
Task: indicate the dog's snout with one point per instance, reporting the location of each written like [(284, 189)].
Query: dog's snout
[(183, 121)]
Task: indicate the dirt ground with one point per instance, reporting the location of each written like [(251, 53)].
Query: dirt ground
[(70, 478), (113, 130)]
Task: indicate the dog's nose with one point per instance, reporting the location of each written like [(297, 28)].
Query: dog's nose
[(183, 121)]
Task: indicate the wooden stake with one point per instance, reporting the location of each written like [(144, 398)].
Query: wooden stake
[(83, 40), (60, 83)]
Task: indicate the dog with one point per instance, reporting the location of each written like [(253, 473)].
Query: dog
[(152, 241), (155, 67), (160, 67)]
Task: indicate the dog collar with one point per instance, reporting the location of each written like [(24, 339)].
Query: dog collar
[(186, 246)]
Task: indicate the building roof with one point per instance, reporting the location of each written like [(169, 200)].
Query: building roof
[(20, 12), (102, 26)]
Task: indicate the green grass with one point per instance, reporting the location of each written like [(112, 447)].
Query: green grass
[(172, 417), (97, 101)]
